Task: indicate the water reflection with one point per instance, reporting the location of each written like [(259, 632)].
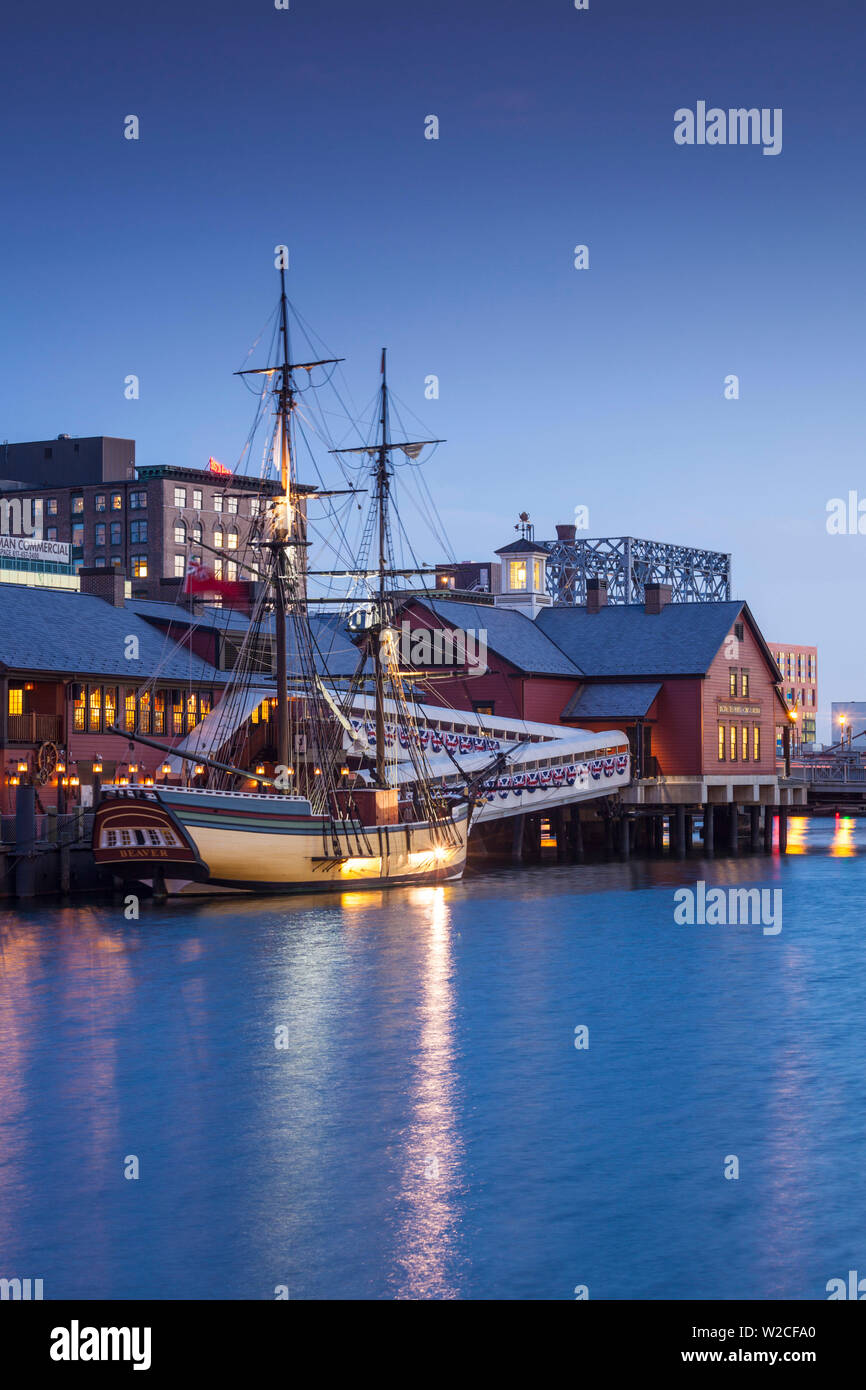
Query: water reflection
[(431, 1180), (798, 834), (843, 845)]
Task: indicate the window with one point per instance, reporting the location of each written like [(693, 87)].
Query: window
[(255, 506), (117, 501), (733, 742), (744, 743), (179, 533), (138, 532), (232, 539), (51, 533), (78, 533), (95, 707), (232, 505), (159, 712), (482, 709), (196, 498), (218, 502), (99, 562), (110, 706), (99, 502), (115, 533), (78, 711), (129, 711), (139, 566), (99, 533), (180, 497), (177, 713), (738, 631), (517, 574), (51, 506), (744, 683), (144, 712), (77, 566), (732, 681), (138, 500), (204, 702), (218, 567), (116, 561), (536, 570), (77, 504), (16, 700), (231, 570), (190, 712), (218, 536), (721, 743), (179, 566), (48, 453), (197, 533), (756, 743)]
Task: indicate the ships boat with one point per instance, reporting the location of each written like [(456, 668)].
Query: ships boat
[(329, 814)]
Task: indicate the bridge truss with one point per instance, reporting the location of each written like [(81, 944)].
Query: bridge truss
[(629, 564)]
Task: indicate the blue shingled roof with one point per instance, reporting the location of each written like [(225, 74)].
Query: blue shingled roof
[(624, 640), (77, 634), (626, 700), (339, 655), (511, 634)]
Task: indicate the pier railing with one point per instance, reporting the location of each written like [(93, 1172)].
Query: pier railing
[(71, 828)]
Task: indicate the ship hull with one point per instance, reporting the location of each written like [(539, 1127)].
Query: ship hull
[(188, 841)]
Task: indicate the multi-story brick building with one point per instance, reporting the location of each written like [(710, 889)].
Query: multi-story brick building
[(146, 525), (798, 666)]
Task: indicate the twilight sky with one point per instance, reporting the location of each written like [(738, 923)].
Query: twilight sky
[(558, 387)]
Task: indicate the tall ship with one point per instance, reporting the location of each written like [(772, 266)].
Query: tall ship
[(328, 809)]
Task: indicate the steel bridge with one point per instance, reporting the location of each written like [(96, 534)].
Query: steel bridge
[(629, 564)]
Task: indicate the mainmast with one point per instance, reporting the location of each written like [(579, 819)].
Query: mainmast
[(284, 522), (382, 485)]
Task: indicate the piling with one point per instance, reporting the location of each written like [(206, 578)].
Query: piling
[(733, 828), (25, 841), (783, 830), (768, 829), (680, 831), (754, 828), (709, 846)]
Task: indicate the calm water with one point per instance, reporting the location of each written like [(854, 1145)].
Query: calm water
[(430, 1129)]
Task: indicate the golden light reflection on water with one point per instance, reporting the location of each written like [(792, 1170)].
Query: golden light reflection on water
[(843, 845), (798, 835), (431, 1180)]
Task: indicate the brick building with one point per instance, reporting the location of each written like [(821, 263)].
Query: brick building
[(798, 667), (145, 525)]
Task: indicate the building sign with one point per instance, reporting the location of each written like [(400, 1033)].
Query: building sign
[(30, 548), (744, 711)]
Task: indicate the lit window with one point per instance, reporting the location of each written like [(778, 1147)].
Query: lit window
[(744, 683), (745, 743), (232, 539), (732, 681), (129, 711), (159, 712), (110, 706), (517, 574), (116, 560), (231, 570), (218, 502), (232, 505), (180, 497), (756, 743), (117, 501), (721, 743), (139, 566), (95, 704), (179, 533), (78, 711), (16, 701), (537, 574), (218, 567), (733, 743), (179, 566), (78, 503), (144, 712), (218, 537)]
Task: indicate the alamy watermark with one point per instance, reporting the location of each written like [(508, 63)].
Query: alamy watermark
[(21, 516), (729, 907), (736, 126), (428, 646)]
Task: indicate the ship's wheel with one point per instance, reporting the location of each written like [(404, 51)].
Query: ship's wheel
[(46, 762)]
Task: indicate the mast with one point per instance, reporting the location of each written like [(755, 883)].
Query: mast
[(283, 523), (381, 500)]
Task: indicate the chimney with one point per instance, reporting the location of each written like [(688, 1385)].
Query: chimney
[(566, 532), (596, 595), (657, 597), (107, 584)]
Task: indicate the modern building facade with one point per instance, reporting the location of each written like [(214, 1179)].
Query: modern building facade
[(798, 667)]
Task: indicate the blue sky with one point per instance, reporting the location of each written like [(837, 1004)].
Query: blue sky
[(557, 387)]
